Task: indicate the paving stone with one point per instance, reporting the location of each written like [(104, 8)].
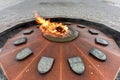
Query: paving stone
[(76, 65), (98, 54), (92, 31), (20, 41), (81, 26), (101, 41), (23, 54), (26, 32), (45, 64)]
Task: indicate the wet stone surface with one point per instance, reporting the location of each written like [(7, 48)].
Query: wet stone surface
[(23, 54), (26, 32), (81, 26), (92, 31), (76, 65), (101, 41), (20, 41), (98, 54), (45, 64)]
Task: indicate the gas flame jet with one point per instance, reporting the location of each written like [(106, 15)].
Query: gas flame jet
[(52, 28)]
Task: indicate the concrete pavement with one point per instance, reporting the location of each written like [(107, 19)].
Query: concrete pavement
[(97, 11)]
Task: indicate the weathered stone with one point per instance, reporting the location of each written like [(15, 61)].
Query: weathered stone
[(23, 54), (27, 32), (45, 64), (101, 41), (98, 54), (81, 26), (92, 31), (20, 41), (76, 65)]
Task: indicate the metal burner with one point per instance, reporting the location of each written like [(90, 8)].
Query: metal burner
[(72, 36)]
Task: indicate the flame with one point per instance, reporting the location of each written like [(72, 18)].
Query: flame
[(51, 28)]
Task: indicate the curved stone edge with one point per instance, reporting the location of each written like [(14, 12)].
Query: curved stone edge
[(93, 31), (81, 26), (45, 64), (117, 76), (27, 32), (98, 54), (23, 54), (2, 75), (20, 41), (101, 41), (77, 65), (1, 50), (72, 37)]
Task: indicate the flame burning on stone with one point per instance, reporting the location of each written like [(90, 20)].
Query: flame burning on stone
[(51, 28)]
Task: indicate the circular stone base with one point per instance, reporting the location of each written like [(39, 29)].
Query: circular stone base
[(71, 37)]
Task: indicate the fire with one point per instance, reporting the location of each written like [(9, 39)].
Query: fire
[(51, 28)]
